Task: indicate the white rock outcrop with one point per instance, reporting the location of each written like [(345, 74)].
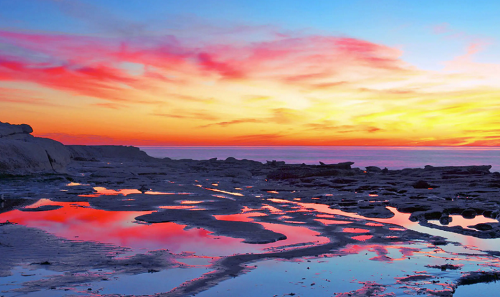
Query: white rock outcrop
[(22, 153)]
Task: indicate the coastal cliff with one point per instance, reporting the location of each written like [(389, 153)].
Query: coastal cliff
[(22, 153)]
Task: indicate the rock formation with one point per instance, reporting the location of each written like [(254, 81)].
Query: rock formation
[(97, 152), (22, 153)]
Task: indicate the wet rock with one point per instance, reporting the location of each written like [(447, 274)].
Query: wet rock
[(143, 189), (250, 232), (414, 278), (494, 184), (490, 214), (423, 185), (413, 208), (432, 215), (445, 220), (438, 241), (373, 169), (445, 267), (10, 204), (379, 212), (476, 277), (237, 172), (275, 163), (482, 227), (344, 181), (289, 173), (474, 169), (469, 214), (342, 165)]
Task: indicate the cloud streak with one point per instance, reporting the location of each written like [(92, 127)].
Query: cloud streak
[(313, 87)]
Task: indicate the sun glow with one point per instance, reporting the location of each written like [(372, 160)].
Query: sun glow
[(182, 88)]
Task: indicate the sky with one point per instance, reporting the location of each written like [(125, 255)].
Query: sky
[(238, 72)]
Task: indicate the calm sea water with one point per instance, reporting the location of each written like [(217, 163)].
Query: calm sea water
[(390, 157)]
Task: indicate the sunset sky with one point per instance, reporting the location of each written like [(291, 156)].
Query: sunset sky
[(240, 72)]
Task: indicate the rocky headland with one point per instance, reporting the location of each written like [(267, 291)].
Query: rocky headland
[(24, 154)]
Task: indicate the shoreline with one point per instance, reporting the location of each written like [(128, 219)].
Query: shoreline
[(259, 207)]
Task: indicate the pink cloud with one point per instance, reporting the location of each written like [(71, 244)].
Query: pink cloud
[(227, 70), (19, 96), (91, 66), (98, 81)]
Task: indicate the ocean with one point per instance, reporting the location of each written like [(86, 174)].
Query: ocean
[(362, 156)]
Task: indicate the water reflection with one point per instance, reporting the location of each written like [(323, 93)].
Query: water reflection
[(74, 220), (362, 237), (458, 220), (99, 191), (81, 222), (300, 222), (355, 230), (359, 270)]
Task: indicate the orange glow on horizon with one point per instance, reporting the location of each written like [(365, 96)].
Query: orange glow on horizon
[(286, 91)]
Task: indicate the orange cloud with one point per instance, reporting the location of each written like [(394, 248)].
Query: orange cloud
[(312, 89)]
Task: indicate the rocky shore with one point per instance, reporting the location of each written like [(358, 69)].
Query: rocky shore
[(33, 168)]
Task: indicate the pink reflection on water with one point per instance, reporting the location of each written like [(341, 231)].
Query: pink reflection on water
[(276, 200), (399, 253), (242, 217), (78, 221), (176, 207), (224, 192), (104, 191), (294, 234), (273, 209), (39, 203), (325, 216), (381, 252), (401, 219), (355, 230), (332, 222), (374, 224), (73, 184), (408, 252), (191, 202), (362, 237)]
